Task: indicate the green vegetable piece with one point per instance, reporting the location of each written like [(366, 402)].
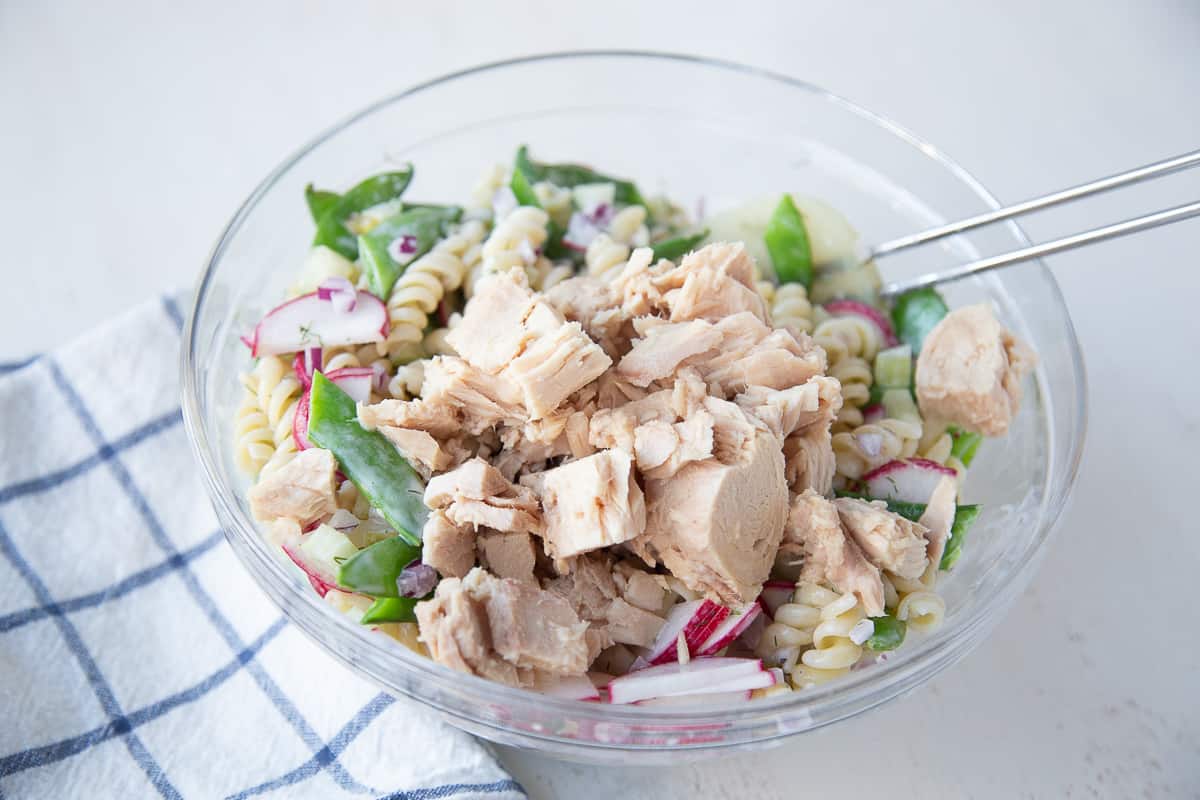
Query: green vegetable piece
[(568, 175), (966, 444), (374, 570), (888, 635), (964, 518), (916, 313), (522, 189), (388, 482), (390, 609), (319, 201), (425, 224), (676, 248), (331, 228), (787, 242)]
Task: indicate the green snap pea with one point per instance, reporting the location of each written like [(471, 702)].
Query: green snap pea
[(390, 609), (568, 175), (679, 246), (389, 483), (522, 189), (425, 224), (319, 201), (373, 571), (331, 227), (966, 444), (787, 242), (888, 635), (916, 313)]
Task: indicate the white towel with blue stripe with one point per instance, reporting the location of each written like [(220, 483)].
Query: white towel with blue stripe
[(137, 657)]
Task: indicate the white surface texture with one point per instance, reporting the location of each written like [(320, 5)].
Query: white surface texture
[(129, 133)]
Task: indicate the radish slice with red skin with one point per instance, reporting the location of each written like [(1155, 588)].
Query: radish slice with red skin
[(695, 619), (308, 320), (729, 629), (305, 364), (774, 594), (692, 699), (568, 687), (354, 381), (702, 676), (874, 413), (876, 317), (321, 580), (300, 422), (910, 480)]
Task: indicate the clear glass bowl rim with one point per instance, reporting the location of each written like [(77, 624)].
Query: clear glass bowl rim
[(823, 705)]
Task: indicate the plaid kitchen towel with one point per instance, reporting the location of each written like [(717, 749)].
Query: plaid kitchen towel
[(137, 657)]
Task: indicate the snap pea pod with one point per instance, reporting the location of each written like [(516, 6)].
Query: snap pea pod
[(425, 224), (966, 443), (679, 246), (373, 571), (390, 609), (888, 635), (568, 175), (319, 201), (389, 483), (331, 228), (787, 242), (916, 313), (964, 518)]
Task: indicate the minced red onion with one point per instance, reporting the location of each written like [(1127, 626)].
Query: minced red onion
[(416, 580), (381, 378), (403, 248), (343, 520), (339, 292), (313, 361), (863, 629), (581, 230), (503, 203), (527, 253), (870, 443)]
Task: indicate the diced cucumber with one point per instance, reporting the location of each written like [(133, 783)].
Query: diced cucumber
[(329, 546), (588, 196), (899, 404), (893, 367), (856, 283)]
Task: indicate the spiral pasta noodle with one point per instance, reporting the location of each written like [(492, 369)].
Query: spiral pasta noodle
[(488, 184), (408, 380), (516, 241), (422, 286), (791, 309), (872, 445), (628, 227), (254, 442), (605, 255), (278, 391), (833, 652)]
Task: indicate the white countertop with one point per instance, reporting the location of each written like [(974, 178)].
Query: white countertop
[(131, 131)]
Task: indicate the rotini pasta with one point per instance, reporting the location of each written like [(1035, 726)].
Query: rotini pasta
[(605, 255), (516, 241), (422, 286), (874, 444), (791, 309), (406, 383), (254, 442), (628, 227)]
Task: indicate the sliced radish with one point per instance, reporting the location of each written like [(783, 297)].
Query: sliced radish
[(839, 308), (695, 619), (300, 422), (692, 699), (354, 381), (730, 628), (702, 676), (305, 364), (774, 594), (319, 575), (569, 687), (308, 320), (910, 480)]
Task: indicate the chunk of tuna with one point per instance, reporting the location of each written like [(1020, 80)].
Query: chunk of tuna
[(938, 519), (499, 321), (888, 540), (645, 591), (419, 448), (970, 369), (476, 399), (477, 494), (589, 586), (303, 489), (554, 366), (441, 419), (590, 503), (454, 626), (448, 548), (530, 628), (664, 347), (508, 555), (814, 533), (628, 624), (711, 295), (717, 526), (814, 402), (810, 460)]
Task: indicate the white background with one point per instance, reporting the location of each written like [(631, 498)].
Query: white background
[(129, 132)]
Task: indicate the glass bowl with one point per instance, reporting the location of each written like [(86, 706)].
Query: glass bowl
[(706, 131)]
